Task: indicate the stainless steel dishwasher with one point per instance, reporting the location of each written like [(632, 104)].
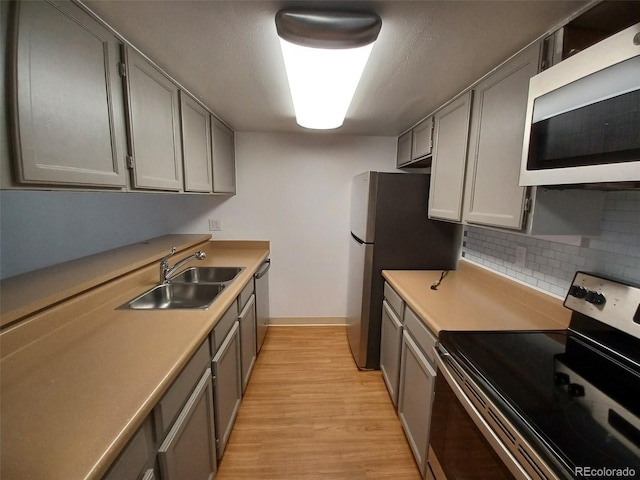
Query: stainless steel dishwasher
[(262, 301)]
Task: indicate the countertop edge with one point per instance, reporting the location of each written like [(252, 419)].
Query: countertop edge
[(501, 290)]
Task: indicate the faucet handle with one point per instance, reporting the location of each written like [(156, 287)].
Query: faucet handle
[(167, 257), (200, 255)]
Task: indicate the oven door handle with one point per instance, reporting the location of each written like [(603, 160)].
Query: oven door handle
[(507, 457)]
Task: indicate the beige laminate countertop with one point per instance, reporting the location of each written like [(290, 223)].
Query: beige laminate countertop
[(78, 379), (27, 293), (473, 298)]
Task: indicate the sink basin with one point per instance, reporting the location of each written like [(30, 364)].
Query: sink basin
[(177, 295), (206, 275)]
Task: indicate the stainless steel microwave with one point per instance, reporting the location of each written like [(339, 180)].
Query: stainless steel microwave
[(583, 117)]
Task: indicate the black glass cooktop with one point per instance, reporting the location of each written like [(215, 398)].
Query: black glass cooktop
[(578, 406)]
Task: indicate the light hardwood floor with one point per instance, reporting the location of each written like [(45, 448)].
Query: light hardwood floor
[(308, 413)]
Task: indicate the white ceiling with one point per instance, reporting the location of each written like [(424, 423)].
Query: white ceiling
[(227, 53)]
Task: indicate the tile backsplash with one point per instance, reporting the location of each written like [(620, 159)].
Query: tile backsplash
[(550, 266)]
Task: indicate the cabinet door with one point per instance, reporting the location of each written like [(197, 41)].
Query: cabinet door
[(390, 347), (136, 457), (188, 451), (224, 158), (404, 149), (154, 125), (422, 139), (248, 339), (196, 145), (492, 195), (450, 133), (417, 379), (69, 107), (227, 383)]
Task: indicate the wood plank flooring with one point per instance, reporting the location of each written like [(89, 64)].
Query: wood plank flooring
[(308, 413)]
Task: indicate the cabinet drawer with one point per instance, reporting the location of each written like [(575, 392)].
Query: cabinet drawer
[(421, 334), (394, 300), (223, 327), (245, 295), (167, 409)]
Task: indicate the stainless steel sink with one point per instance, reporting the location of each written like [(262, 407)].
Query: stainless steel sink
[(207, 275), (176, 296)]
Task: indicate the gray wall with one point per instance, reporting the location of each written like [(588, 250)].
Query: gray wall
[(38, 229)]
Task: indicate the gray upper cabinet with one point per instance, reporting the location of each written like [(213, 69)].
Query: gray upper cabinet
[(492, 194), (404, 149), (415, 146), (68, 108), (196, 145), (422, 139), (224, 158), (451, 132), (154, 125)]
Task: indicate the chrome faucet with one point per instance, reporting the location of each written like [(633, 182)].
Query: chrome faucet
[(166, 272)]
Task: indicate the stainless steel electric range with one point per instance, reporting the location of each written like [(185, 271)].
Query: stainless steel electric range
[(544, 405)]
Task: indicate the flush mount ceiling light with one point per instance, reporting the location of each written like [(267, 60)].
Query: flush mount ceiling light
[(324, 55)]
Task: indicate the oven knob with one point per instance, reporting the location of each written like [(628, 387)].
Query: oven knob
[(577, 291), (561, 378), (595, 298), (575, 390)]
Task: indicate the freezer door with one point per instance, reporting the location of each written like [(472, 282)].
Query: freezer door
[(359, 299), (363, 206)]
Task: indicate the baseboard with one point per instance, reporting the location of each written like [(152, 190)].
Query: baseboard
[(306, 321)]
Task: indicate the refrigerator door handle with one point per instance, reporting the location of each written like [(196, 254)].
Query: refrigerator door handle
[(357, 239)]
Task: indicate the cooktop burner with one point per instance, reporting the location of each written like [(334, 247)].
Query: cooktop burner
[(574, 395)]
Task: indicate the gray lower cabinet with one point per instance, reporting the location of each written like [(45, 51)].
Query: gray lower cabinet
[(149, 475), (247, 319), (416, 387), (137, 458), (189, 449), (154, 125), (196, 144), (181, 425), (390, 348), (68, 112), (227, 384), (224, 158)]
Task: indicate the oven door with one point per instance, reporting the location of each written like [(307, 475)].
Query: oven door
[(469, 435)]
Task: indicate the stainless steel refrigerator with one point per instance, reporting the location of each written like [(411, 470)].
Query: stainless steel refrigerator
[(390, 230)]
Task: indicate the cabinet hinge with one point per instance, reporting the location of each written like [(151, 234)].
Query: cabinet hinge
[(122, 69), (527, 204), (129, 161), (213, 380)]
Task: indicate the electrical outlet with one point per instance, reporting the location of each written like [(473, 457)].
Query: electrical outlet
[(215, 225), (521, 256)]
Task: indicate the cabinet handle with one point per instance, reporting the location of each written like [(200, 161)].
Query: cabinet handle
[(263, 272)]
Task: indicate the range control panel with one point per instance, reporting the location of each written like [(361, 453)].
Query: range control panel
[(614, 303)]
